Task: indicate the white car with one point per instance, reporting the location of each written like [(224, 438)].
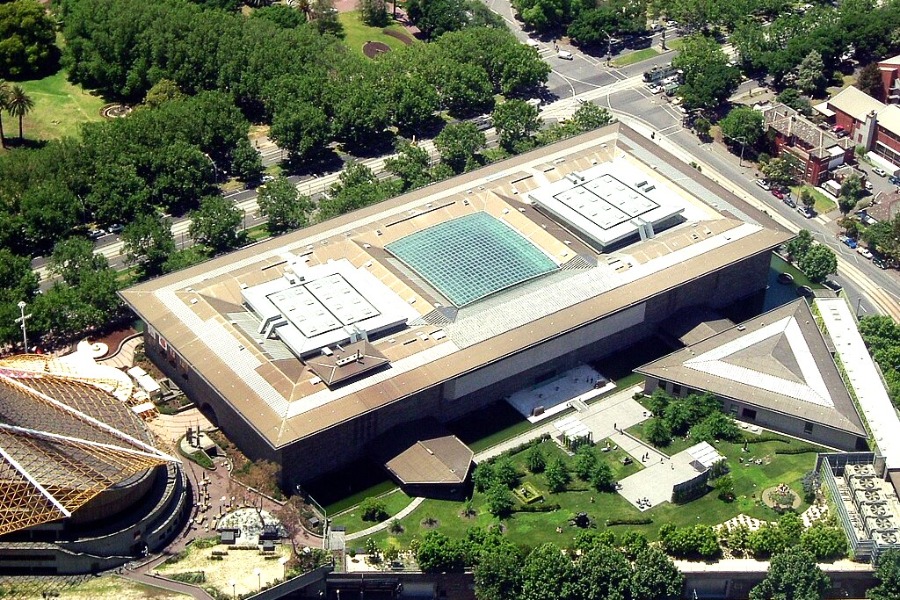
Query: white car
[(763, 184), (565, 55), (532, 43), (879, 172), (864, 252), (656, 89)]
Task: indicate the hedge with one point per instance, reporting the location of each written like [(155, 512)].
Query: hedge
[(536, 508), (630, 521), (798, 450)]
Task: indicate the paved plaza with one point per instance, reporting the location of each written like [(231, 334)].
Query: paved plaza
[(655, 482)]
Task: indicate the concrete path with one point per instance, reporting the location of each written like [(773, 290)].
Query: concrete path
[(618, 409), (124, 358), (385, 524), (168, 584)]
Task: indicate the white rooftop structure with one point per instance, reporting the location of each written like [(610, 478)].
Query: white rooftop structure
[(704, 455), (864, 377), (311, 308), (610, 202)]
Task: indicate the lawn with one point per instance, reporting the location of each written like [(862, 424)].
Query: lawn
[(111, 586), (351, 518), (60, 108), (800, 278), (357, 33), (635, 57), (824, 204), (675, 44), (531, 529)]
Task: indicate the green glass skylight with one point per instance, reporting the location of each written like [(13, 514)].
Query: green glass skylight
[(471, 257)]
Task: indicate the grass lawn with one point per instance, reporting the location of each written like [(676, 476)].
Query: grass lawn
[(800, 278), (824, 204), (59, 109), (531, 529), (111, 586), (635, 57), (357, 33), (394, 502), (676, 44)]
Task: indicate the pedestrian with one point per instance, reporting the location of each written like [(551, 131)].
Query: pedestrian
[(614, 427)]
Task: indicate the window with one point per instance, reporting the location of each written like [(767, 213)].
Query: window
[(748, 413), (807, 428), (676, 389)]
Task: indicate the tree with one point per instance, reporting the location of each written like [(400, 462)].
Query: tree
[(546, 573), (779, 171), (807, 199), (436, 17), (810, 71), (655, 576), (246, 163), (585, 461), (324, 17), (483, 476), (800, 245), (589, 116), (373, 509), (709, 79), (557, 475), (852, 191), (887, 571), (413, 102), (215, 224), (18, 283), (285, 207), (300, 128), (535, 460), (356, 187), (792, 98), (499, 500), (658, 432), (743, 125), (602, 573), (702, 126), (869, 81), (819, 263), (439, 554), (498, 576), (148, 242), (505, 472), (716, 426), (724, 487), (374, 12), (27, 38), (824, 542), (410, 165), (164, 90), (459, 144), (515, 122), (792, 575), (603, 478), (18, 104)]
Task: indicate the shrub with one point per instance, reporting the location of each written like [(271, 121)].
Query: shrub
[(657, 432), (535, 460), (373, 509), (811, 484), (630, 521), (584, 462), (483, 476), (799, 450), (557, 475), (537, 508), (602, 478)]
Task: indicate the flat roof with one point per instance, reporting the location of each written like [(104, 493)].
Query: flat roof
[(778, 361), (881, 416), (207, 316)]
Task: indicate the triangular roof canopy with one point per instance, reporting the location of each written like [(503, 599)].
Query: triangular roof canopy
[(778, 361)]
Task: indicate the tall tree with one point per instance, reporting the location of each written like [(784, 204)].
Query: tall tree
[(459, 144), (792, 575), (818, 263), (810, 73), (547, 573), (19, 104), (27, 38), (215, 224), (742, 124), (498, 576), (286, 209), (516, 121), (411, 164), (887, 572), (709, 78), (869, 81), (148, 243), (602, 573), (655, 576)]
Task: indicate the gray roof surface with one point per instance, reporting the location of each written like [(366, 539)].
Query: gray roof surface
[(778, 361)]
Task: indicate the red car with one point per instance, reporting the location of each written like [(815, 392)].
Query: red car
[(777, 193)]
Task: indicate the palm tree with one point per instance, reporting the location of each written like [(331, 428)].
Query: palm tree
[(19, 104), (4, 95)]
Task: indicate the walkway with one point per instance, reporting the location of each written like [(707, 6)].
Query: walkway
[(168, 584), (385, 524), (124, 358)]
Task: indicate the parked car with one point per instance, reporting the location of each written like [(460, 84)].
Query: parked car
[(879, 172), (880, 263), (864, 252), (849, 242), (790, 201), (656, 89), (96, 234), (116, 228), (806, 211), (565, 55), (894, 180), (532, 43), (777, 193), (763, 184)]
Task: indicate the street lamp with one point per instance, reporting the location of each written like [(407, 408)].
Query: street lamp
[(608, 47), (743, 142), (22, 320), (233, 589), (258, 572), (215, 168)]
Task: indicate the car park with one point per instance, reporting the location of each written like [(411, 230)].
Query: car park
[(763, 184), (879, 172), (864, 252)]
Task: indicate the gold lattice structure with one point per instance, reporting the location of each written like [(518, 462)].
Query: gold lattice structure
[(63, 442)]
